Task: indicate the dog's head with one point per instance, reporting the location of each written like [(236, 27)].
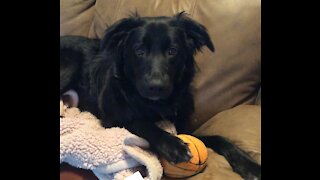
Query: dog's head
[(155, 54)]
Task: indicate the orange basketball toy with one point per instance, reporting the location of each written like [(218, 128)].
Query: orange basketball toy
[(196, 164)]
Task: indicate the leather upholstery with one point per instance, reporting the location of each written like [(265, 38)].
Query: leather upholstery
[(227, 78)]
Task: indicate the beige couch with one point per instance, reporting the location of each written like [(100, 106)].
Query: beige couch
[(227, 87)]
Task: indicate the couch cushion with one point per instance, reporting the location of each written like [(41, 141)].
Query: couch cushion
[(68, 172), (227, 78), (242, 125), (217, 168), (76, 17)]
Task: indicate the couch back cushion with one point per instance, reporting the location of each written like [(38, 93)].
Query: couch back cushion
[(227, 78)]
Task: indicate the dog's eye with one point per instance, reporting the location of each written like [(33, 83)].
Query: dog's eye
[(172, 51), (140, 51)]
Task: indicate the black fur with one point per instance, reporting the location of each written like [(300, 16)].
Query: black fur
[(139, 73)]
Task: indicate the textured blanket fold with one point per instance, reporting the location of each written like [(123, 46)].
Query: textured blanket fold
[(112, 153)]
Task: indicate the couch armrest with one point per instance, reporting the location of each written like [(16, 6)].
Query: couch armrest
[(241, 124)]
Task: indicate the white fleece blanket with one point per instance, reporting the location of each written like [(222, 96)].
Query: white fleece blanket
[(112, 153)]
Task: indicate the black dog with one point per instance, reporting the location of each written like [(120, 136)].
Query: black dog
[(140, 73)]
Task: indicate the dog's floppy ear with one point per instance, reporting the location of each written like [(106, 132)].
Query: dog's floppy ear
[(114, 38), (196, 33), (116, 34)]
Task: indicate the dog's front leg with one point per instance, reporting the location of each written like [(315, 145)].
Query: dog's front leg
[(164, 144)]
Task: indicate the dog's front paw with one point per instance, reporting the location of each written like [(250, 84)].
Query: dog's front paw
[(173, 149)]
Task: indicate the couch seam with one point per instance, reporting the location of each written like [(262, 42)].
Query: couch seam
[(193, 8), (92, 19), (98, 16), (118, 10)]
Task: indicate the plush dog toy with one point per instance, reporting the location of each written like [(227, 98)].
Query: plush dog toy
[(112, 153)]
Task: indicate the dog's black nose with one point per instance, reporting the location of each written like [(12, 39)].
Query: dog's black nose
[(156, 88), (157, 85)]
